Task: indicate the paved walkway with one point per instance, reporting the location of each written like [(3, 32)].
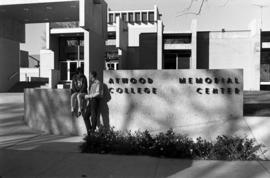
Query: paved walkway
[(30, 154)]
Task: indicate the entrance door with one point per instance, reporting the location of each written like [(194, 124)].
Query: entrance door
[(71, 55), (177, 60), (68, 69)]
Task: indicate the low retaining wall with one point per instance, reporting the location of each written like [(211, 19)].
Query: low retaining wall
[(48, 110)]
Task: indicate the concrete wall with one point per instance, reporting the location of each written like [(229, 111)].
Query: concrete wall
[(9, 64), (174, 105), (48, 110), (24, 61), (93, 16), (148, 51), (134, 31), (54, 46), (143, 56), (202, 50), (133, 59), (121, 34), (159, 45), (12, 29), (121, 41), (35, 38), (27, 73), (47, 63), (94, 54), (237, 50)]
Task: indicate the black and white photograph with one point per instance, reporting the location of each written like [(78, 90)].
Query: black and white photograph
[(134, 88)]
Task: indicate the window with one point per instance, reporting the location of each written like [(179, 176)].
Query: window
[(177, 38), (110, 18), (177, 60), (130, 17), (72, 43), (81, 42), (144, 17), (124, 17), (151, 17), (170, 61), (111, 35), (137, 17)]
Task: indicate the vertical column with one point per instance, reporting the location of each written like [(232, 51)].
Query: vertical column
[(82, 13), (48, 35), (193, 60), (255, 66), (86, 55), (47, 67), (159, 45)]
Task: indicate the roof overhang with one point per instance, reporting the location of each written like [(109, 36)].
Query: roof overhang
[(41, 11)]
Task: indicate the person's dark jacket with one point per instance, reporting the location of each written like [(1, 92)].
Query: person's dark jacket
[(79, 84)]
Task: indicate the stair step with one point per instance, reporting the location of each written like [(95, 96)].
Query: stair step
[(20, 86)]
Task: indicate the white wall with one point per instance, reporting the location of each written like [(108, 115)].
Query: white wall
[(236, 50), (35, 38), (48, 110), (94, 50), (27, 73), (174, 104), (9, 63), (134, 31)]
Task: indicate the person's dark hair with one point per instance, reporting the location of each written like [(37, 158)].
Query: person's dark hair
[(79, 70), (94, 73)]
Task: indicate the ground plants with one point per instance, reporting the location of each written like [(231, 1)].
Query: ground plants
[(170, 145)]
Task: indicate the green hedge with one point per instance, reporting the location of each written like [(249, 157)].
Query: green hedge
[(170, 145)]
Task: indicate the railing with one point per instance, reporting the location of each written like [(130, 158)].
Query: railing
[(26, 74), (35, 59), (13, 75), (73, 24), (110, 42)]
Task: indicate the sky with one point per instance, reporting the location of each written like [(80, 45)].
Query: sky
[(215, 15)]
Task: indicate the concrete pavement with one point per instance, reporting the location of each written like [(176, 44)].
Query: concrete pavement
[(26, 153), (58, 163)]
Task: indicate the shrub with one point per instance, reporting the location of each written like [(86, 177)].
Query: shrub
[(170, 145)]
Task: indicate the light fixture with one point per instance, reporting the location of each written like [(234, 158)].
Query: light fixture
[(26, 9), (49, 8), (73, 6), (46, 19)]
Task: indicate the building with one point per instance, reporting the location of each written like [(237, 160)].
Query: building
[(90, 29), (136, 40)]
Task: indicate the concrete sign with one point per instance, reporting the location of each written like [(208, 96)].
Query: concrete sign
[(196, 102)]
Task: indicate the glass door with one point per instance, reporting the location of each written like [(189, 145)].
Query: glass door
[(177, 59), (68, 69), (71, 56)]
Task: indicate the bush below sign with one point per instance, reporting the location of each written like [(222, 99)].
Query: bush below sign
[(170, 145)]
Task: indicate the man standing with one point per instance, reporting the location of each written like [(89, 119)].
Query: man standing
[(95, 93)]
